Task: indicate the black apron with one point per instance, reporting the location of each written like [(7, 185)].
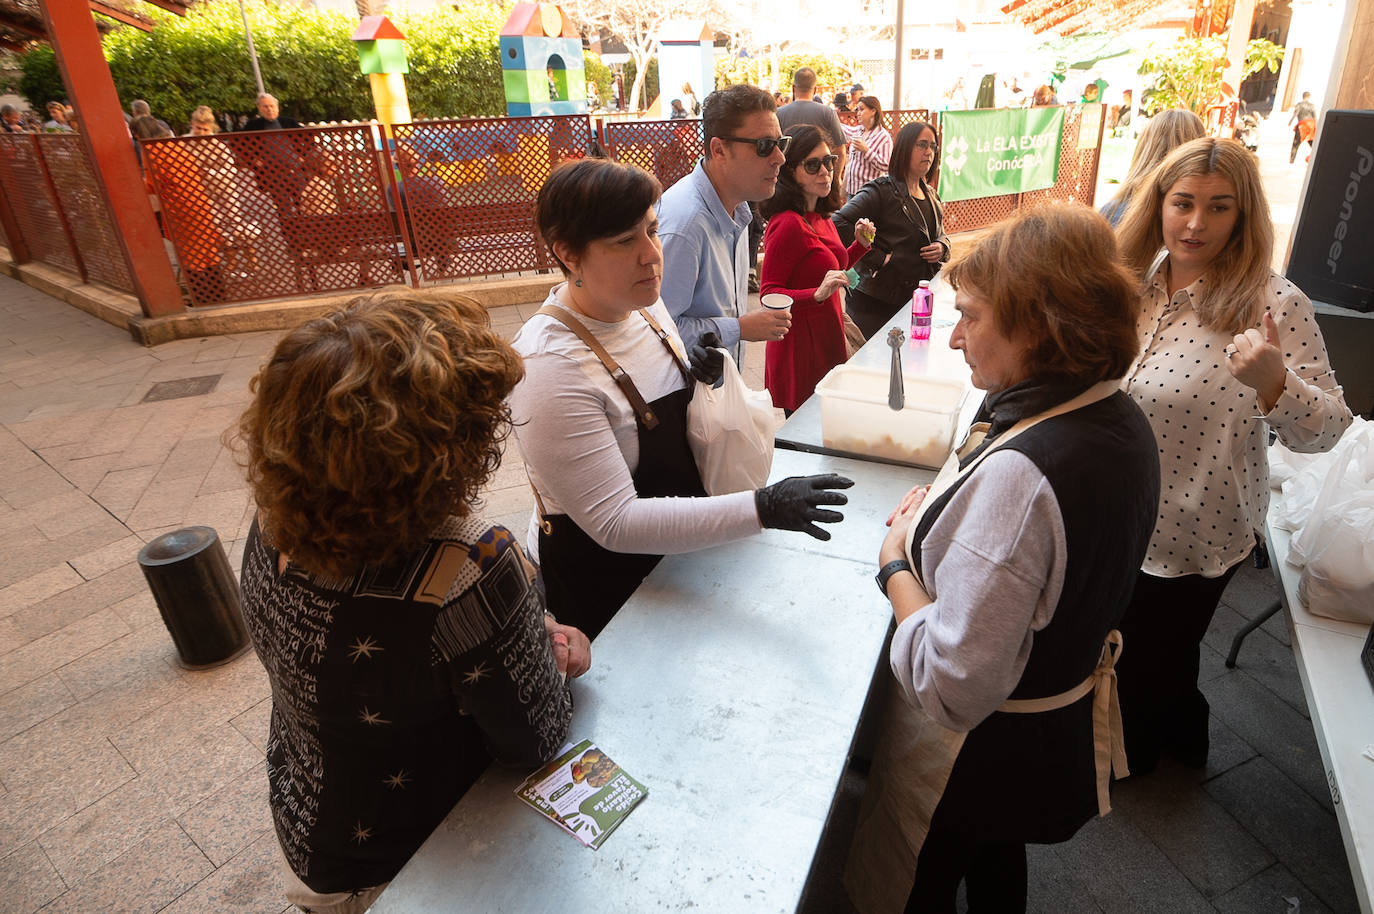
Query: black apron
[(585, 584)]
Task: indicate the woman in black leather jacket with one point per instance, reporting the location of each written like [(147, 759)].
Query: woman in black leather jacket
[(911, 242)]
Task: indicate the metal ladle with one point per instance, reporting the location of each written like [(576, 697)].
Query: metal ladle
[(896, 394)]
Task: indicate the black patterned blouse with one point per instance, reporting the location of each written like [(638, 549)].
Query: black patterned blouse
[(391, 693)]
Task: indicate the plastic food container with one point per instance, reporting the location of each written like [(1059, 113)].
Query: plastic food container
[(855, 416)]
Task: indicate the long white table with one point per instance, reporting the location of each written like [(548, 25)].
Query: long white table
[(731, 684), (1341, 701)]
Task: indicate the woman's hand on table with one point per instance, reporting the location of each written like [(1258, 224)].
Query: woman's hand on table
[(572, 651), (1255, 360), (834, 279), (933, 252), (899, 522)]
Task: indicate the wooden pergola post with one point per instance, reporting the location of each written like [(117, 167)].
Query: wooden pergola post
[(76, 42)]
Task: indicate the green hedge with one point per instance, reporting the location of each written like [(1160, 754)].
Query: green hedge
[(308, 61)]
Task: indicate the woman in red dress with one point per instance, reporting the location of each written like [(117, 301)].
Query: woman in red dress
[(804, 259)]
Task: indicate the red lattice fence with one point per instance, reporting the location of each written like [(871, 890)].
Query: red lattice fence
[(469, 189), (29, 190), (668, 149), (86, 212)]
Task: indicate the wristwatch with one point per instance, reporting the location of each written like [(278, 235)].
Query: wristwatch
[(888, 570)]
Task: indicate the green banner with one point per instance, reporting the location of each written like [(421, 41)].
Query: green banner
[(1000, 151)]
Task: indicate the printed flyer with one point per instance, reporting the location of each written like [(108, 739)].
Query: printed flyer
[(583, 792)]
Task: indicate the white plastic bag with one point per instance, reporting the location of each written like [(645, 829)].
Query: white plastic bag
[(1303, 475), (730, 431), (1335, 547)]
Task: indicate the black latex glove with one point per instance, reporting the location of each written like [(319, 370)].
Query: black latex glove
[(794, 503), (706, 359)]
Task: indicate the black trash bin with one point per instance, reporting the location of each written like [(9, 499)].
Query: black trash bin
[(197, 595)]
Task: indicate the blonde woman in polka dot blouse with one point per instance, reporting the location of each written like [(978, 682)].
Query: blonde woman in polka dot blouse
[(1229, 350)]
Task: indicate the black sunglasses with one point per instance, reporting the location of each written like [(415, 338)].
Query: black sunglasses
[(764, 145), (814, 166)]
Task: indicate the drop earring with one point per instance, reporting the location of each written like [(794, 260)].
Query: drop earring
[(578, 282)]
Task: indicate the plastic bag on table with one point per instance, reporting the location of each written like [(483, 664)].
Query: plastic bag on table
[(730, 431), (1304, 475)]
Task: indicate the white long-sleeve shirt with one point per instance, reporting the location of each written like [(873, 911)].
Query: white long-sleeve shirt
[(1211, 433), (578, 435)]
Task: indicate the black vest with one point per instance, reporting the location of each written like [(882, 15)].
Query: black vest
[(1030, 777)]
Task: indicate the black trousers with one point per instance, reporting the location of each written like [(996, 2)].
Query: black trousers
[(994, 873), (1162, 709)]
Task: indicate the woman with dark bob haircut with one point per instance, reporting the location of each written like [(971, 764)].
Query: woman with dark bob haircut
[(804, 260), (377, 599), (911, 242), (601, 413), (1008, 576)]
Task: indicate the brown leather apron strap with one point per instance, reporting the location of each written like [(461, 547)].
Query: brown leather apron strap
[(1109, 748), (668, 343), (622, 380)]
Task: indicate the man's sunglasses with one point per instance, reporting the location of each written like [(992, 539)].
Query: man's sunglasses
[(764, 145), (814, 166)]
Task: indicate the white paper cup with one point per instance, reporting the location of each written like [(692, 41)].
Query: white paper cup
[(776, 301)]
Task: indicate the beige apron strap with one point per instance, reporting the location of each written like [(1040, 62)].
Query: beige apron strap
[(951, 474), (1109, 747)]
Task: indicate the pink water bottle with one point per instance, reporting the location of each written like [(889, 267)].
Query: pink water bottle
[(922, 306)]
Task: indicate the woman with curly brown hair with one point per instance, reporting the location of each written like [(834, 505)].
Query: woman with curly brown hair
[(380, 605)]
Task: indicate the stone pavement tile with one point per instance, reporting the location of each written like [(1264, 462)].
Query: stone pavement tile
[(140, 611), (1281, 735), (1270, 891), (23, 817), (93, 564), (141, 650), (10, 636), (217, 348), (83, 514), (37, 587), (82, 600), (26, 487), (215, 759), (254, 723), (15, 455), (1227, 750), (163, 504), (1052, 887), (59, 430), (43, 655), (227, 821), (213, 419), (1270, 663), (86, 472), (146, 877), (222, 510), (1204, 842), (31, 704), (1126, 873), (191, 457), (28, 880), (202, 704), (63, 772), (109, 712), (1211, 664), (511, 500), (121, 489), (1303, 835), (83, 843), (30, 515), (250, 883)]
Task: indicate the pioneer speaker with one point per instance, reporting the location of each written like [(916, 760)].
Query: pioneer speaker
[(1332, 256)]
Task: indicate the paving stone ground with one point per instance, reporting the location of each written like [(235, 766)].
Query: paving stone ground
[(130, 784)]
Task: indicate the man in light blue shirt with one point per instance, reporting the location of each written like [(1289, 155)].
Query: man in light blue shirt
[(703, 222)]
